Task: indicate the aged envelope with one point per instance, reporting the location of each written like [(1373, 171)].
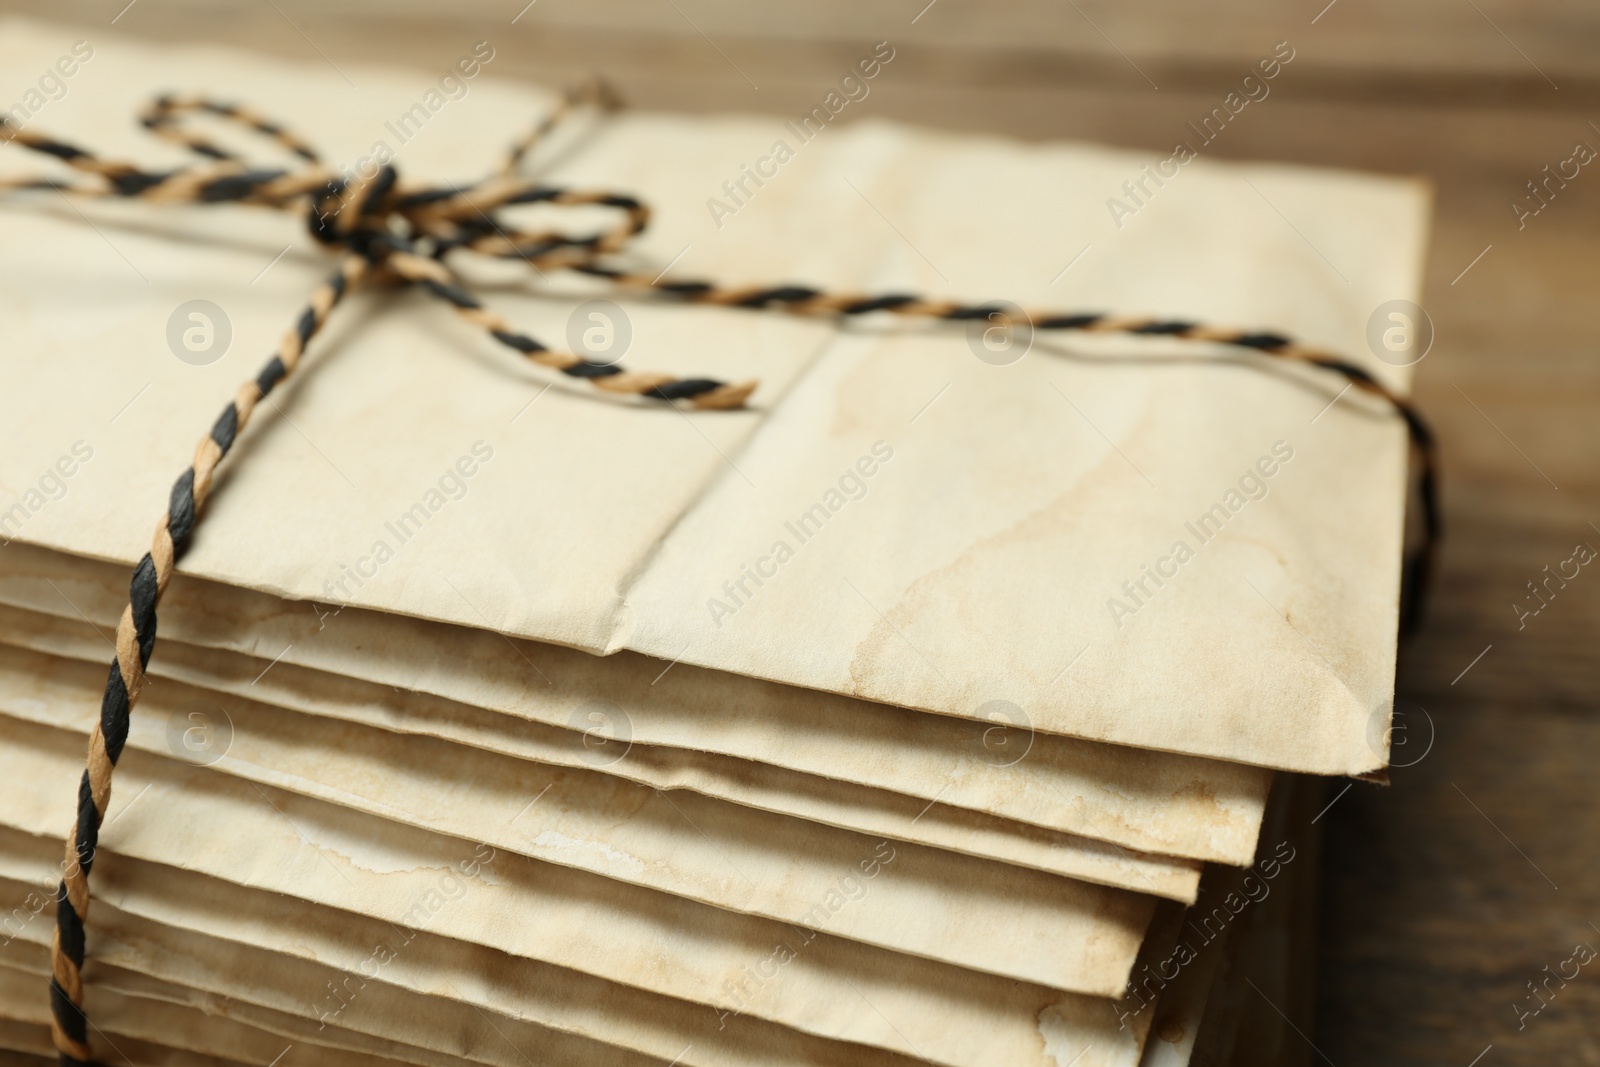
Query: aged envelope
[(150, 1017), (1010, 510), (143, 1004), (766, 789), (345, 969), (327, 1006), (934, 904), (1135, 798), (129, 1005), (1181, 1008), (724, 962)]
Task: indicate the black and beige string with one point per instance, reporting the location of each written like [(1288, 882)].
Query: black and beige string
[(383, 228)]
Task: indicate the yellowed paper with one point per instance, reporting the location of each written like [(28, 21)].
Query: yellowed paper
[(933, 904), (1009, 509), (767, 789), (1133, 798), (217, 1023), (1176, 1019), (149, 1019), (826, 803), (133, 1005), (724, 963), (346, 970)]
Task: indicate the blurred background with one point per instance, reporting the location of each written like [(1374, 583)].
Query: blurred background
[(1454, 892)]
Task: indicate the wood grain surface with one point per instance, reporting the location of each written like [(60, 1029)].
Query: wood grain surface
[(1446, 893)]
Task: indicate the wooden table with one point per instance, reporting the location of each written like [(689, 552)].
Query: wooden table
[(1448, 892)]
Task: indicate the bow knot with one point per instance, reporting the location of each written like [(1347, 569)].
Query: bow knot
[(355, 215)]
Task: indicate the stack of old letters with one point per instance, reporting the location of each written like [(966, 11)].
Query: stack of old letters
[(927, 711)]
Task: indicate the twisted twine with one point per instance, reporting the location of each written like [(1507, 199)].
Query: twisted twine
[(384, 228)]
